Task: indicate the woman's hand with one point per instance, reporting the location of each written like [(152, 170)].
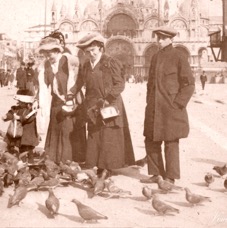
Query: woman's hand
[(16, 117)]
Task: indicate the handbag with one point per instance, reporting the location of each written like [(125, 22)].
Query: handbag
[(15, 129), (109, 112)]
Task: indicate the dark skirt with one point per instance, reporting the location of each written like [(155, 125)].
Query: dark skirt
[(66, 139), (109, 148)]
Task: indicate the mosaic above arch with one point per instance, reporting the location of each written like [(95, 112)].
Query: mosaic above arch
[(88, 26)]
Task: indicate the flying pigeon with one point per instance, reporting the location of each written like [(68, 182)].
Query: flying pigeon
[(195, 199), (161, 207), (87, 213), (52, 203)]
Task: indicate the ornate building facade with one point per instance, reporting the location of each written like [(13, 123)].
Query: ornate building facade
[(127, 26)]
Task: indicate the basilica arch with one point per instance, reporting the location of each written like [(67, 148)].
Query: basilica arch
[(121, 22), (124, 51)]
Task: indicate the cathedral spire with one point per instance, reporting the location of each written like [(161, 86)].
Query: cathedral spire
[(63, 10), (53, 14)]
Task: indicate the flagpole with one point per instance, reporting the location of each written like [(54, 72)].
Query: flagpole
[(45, 18)]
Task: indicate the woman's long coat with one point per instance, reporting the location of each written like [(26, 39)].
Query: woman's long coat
[(106, 82), (169, 89)]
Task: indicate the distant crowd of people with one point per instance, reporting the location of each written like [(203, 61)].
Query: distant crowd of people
[(6, 78)]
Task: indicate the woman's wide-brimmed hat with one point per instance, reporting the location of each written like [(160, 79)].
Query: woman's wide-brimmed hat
[(165, 31), (89, 38), (49, 43)]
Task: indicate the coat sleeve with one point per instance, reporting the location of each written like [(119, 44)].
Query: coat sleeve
[(186, 81), (117, 78)]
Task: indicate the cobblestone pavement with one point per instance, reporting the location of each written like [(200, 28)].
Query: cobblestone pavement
[(205, 147)]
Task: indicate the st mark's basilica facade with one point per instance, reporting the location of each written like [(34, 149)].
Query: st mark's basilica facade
[(127, 26)]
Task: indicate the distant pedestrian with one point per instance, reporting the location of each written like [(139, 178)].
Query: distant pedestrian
[(203, 79), (21, 76), (2, 77), (10, 77), (30, 74)]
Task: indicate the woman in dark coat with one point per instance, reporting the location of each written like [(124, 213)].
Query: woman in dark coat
[(109, 143)]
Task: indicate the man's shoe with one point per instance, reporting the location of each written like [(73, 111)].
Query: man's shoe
[(151, 180), (172, 181)]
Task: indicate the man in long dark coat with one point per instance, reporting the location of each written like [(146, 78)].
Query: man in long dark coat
[(169, 89)]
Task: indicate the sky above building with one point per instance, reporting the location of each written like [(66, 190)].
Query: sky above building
[(18, 15)]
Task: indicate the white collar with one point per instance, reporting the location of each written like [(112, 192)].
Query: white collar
[(93, 64)]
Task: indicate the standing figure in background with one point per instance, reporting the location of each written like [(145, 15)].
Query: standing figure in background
[(109, 143), (66, 134), (21, 76), (169, 89), (203, 79), (10, 79), (30, 74)]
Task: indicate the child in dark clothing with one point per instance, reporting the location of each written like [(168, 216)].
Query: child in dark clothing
[(29, 138)]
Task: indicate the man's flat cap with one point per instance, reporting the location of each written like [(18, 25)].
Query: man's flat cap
[(165, 31), (89, 38)]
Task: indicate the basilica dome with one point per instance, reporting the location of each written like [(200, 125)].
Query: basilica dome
[(185, 8)]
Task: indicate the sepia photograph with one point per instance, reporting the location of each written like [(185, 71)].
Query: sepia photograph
[(113, 113)]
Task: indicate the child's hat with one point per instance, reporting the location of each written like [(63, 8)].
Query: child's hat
[(25, 96)]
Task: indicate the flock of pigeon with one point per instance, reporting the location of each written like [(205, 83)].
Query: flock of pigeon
[(193, 198), (44, 174)]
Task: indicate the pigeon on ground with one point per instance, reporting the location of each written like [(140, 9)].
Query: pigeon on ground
[(141, 162), (52, 183), (68, 170), (195, 199), (114, 191), (100, 183), (161, 207), (147, 192), (19, 194), (73, 165), (166, 185), (221, 170), (225, 183), (87, 213), (24, 175), (52, 168), (209, 178), (112, 188), (52, 203)]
